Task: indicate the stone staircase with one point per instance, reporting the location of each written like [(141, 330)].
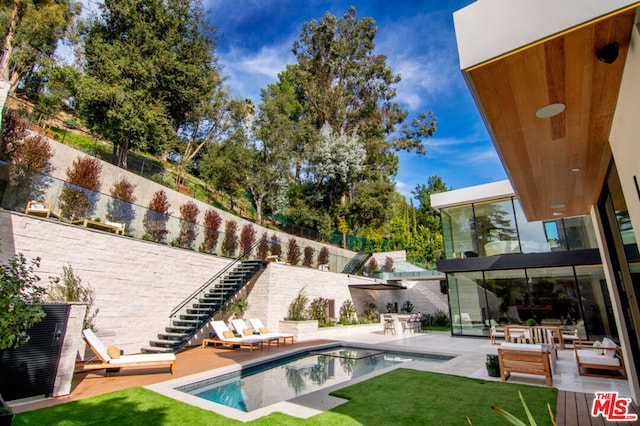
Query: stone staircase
[(356, 263), (196, 311)]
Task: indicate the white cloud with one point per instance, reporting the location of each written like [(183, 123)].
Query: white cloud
[(422, 50), (248, 72), (404, 189)]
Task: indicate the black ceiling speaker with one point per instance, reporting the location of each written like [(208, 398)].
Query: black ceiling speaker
[(608, 54)]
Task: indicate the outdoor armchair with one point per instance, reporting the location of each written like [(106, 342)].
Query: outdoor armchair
[(600, 359)]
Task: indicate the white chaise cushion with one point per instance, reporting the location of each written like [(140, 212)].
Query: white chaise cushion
[(588, 357), (128, 359), (525, 347), (608, 343)]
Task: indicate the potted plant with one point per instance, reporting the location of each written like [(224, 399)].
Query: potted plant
[(6, 414), (493, 365)]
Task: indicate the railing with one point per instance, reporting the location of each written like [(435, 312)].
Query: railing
[(200, 291), (106, 208)]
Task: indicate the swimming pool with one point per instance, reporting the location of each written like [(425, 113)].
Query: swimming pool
[(280, 380)]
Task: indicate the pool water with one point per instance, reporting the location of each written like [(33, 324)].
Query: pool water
[(281, 380)]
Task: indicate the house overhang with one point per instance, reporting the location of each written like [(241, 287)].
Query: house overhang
[(556, 164), (377, 286)]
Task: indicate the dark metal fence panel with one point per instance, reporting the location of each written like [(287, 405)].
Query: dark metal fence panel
[(31, 369)]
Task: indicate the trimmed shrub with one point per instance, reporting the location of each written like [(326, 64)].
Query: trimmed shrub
[(308, 256), (371, 266), (247, 239), (323, 257), (120, 208), (78, 196), (189, 214), (230, 240), (156, 217), (293, 252), (388, 264), (263, 247), (212, 222), (30, 157), (276, 247)]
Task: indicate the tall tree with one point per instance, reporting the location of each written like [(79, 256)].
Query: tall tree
[(31, 30), (148, 65), (427, 215), (339, 81)]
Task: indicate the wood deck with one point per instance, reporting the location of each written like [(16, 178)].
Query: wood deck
[(574, 409)]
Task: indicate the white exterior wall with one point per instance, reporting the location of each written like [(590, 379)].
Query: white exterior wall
[(473, 194), (488, 29), (624, 139)]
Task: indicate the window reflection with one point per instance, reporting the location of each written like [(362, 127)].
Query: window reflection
[(495, 225), (469, 313), (501, 227), (564, 297)]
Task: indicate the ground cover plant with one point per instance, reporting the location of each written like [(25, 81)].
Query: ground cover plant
[(400, 397)]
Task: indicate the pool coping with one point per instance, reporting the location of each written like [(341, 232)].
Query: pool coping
[(303, 406)]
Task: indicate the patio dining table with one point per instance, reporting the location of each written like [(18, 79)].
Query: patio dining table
[(400, 322)]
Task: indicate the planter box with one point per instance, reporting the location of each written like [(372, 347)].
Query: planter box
[(302, 330)]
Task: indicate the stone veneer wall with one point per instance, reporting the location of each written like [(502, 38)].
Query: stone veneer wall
[(138, 283)]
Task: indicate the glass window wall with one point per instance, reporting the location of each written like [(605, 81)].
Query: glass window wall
[(496, 228), (597, 311), (459, 233), (501, 227), (468, 304), (538, 236), (506, 290), (565, 297)]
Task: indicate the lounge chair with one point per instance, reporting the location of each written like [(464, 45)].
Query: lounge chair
[(226, 337), (43, 209), (600, 361), (258, 327), (109, 357), (244, 331)]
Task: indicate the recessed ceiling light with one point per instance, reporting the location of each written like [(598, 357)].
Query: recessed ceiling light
[(576, 169), (558, 213), (558, 206), (550, 110)]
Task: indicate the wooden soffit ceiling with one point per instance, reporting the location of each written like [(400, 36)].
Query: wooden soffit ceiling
[(556, 165)]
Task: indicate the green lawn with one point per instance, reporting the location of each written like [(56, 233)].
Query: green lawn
[(400, 397)]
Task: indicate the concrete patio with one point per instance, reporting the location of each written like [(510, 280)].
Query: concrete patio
[(469, 361)]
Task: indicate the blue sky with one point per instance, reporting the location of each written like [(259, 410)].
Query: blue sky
[(418, 39)]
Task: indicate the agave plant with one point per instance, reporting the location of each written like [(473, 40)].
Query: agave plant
[(515, 421)]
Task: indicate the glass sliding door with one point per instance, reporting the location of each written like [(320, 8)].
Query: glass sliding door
[(468, 304), (554, 297), (506, 290)]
